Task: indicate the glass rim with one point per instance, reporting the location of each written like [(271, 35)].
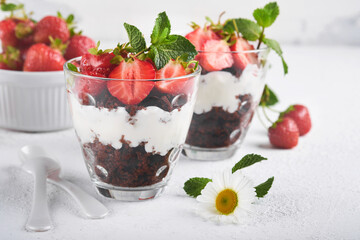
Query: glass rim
[(263, 49), (66, 69)]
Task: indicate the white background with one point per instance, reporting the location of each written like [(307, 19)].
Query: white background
[(301, 21)]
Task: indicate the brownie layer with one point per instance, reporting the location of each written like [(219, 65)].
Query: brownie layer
[(127, 166), (219, 128), (166, 102)]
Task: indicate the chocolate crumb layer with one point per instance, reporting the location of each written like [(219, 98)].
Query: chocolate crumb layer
[(219, 128), (166, 102), (127, 166)]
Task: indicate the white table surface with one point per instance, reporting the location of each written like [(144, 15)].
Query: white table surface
[(315, 195)]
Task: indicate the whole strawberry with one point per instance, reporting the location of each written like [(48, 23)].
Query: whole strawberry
[(41, 57), (300, 114), (55, 27), (284, 133), (78, 46), (7, 33), (24, 32), (11, 59)]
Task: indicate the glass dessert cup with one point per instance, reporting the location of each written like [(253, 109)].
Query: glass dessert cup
[(225, 104), (130, 150)]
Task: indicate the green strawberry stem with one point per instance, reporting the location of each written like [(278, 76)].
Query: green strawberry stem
[(142, 51)]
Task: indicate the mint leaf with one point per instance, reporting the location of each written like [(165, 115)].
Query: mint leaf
[(263, 188), (247, 161), (172, 47), (266, 16), (72, 67), (274, 45), (161, 29), (268, 97), (136, 38), (193, 186), (249, 30)]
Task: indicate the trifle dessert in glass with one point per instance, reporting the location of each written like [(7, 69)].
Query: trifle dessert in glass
[(131, 109), (231, 85)]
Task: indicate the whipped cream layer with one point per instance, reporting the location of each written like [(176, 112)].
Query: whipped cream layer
[(221, 89), (159, 129)]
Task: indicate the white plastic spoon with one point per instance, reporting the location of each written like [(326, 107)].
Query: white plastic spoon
[(91, 207), (39, 219)]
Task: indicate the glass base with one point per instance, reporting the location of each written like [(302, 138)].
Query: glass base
[(209, 154), (130, 194)]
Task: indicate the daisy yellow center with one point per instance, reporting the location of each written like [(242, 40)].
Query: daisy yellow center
[(226, 201)]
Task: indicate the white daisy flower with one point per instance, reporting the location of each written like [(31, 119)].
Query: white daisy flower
[(227, 199)]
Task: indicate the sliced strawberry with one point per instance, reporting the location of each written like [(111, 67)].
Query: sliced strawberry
[(300, 114), (216, 56), (171, 70), (78, 46), (242, 59), (40, 57), (7, 33), (51, 26), (93, 87), (284, 133), (131, 92), (199, 36), (97, 65)]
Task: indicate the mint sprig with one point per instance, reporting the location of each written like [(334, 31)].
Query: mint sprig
[(254, 31), (274, 45), (164, 46), (136, 38), (194, 186), (247, 161), (250, 30), (161, 29), (72, 67), (263, 188), (266, 16), (268, 97), (172, 47)]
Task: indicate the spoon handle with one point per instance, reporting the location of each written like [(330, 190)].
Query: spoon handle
[(39, 219), (89, 205)]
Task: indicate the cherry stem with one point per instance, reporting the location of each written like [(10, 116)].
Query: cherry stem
[(266, 116), (261, 121), (273, 110)]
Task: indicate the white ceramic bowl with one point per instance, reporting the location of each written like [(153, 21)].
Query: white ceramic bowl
[(33, 101)]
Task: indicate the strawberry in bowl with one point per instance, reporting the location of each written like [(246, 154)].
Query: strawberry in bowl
[(231, 83), (31, 69), (131, 109)]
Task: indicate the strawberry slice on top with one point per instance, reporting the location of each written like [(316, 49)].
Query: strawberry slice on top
[(131, 92), (216, 56), (171, 70), (242, 59), (199, 36)]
